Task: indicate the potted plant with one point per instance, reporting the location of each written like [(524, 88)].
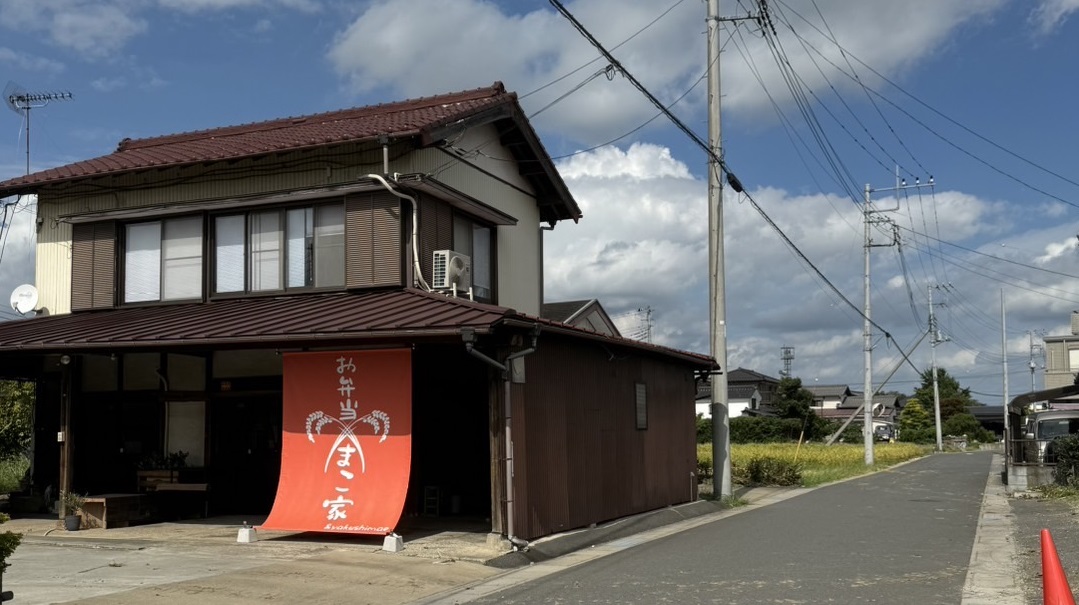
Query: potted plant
[(72, 503)]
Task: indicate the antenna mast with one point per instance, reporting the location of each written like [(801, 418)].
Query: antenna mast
[(21, 101)]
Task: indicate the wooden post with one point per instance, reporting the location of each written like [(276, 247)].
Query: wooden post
[(66, 458)]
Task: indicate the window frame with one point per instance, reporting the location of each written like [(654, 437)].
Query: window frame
[(163, 271), (310, 249), (459, 219)]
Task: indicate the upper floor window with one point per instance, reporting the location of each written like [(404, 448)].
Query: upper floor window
[(271, 250), (474, 239), (163, 260)]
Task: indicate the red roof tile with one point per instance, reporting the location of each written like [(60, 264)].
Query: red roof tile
[(401, 119), (300, 320)]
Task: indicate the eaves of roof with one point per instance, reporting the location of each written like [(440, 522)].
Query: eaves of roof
[(428, 119), (306, 320)]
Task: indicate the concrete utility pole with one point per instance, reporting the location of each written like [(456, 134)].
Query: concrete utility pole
[(934, 338), (1004, 356), (721, 461), (867, 325), (1035, 351)]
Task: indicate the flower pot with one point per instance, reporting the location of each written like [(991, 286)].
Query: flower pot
[(72, 522)]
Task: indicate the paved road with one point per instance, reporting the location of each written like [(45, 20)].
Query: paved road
[(901, 536)]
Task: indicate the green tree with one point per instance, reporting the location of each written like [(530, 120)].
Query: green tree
[(704, 429), (967, 424), (793, 401), (16, 417), (915, 424), (954, 399)]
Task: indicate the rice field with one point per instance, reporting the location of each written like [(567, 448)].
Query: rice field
[(819, 463)]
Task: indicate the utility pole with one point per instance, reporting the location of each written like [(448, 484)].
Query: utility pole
[(934, 339), (1035, 351), (867, 326), (1004, 356), (721, 443)]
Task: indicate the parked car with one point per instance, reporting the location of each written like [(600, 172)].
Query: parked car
[(1042, 428)]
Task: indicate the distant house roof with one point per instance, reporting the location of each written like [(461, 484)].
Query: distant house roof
[(829, 390), (584, 314), (427, 120), (734, 391), (744, 375), (565, 310)]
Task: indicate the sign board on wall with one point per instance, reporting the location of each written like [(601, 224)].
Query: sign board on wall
[(347, 443)]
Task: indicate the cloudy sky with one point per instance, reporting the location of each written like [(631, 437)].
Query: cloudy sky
[(821, 100)]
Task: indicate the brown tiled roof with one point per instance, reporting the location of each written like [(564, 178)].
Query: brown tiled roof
[(285, 321), (423, 118)]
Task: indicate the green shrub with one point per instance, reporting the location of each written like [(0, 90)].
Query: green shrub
[(8, 543), (1066, 451), (704, 461), (704, 429), (967, 424), (764, 429), (772, 471)]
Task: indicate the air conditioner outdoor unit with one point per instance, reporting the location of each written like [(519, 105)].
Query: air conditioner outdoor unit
[(451, 269)]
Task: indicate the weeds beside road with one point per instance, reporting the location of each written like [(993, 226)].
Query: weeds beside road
[(807, 465)]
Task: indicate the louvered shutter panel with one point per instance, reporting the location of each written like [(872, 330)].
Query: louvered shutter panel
[(373, 253), (93, 265)]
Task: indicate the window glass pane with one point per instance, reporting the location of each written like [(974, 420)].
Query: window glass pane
[(330, 246), (266, 259), (229, 254), (481, 262), (299, 247), (1073, 359), (142, 262), (182, 252), (462, 235)]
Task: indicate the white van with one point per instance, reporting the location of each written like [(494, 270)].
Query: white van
[(1041, 428)]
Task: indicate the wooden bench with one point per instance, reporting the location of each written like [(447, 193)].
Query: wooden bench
[(112, 510)]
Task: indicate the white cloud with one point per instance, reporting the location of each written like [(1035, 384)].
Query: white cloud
[(30, 63), (1051, 14), (195, 6), (108, 84), (394, 37)]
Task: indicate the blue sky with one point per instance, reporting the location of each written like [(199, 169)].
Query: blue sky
[(976, 93)]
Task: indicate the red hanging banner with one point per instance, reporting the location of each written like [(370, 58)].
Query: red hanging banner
[(347, 443)]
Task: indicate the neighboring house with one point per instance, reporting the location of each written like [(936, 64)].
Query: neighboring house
[(584, 314), (829, 396), (741, 398), (1062, 357), (235, 293), (765, 385)]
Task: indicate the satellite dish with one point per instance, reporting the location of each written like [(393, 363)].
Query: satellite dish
[(24, 299)]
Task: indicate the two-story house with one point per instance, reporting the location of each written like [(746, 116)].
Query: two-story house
[(337, 319)]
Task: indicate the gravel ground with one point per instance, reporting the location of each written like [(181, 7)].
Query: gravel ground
[(1031, 516)]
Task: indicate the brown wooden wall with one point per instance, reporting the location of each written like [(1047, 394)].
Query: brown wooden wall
[(578, 456)]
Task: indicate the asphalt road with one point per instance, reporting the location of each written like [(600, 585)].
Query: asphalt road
[(900, 536)]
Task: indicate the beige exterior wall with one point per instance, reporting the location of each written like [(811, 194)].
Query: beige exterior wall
[(519, 252), (1061, 361)]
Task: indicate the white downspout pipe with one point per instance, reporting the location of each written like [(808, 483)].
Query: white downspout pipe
[(418, 276)]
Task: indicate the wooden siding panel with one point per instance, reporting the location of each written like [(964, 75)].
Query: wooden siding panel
[(373, 251), (586, 462)]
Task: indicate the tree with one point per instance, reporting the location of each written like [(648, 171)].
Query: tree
[(954, 399), (792, 401), (16, 417), (967, 424), (915, 424)]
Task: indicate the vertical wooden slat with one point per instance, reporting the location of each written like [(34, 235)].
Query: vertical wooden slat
[(373, 249), (93, 265), (82, 266), (104, 287), (436, 231)]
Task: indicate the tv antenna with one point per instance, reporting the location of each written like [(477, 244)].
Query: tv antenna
[(20, 101)]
